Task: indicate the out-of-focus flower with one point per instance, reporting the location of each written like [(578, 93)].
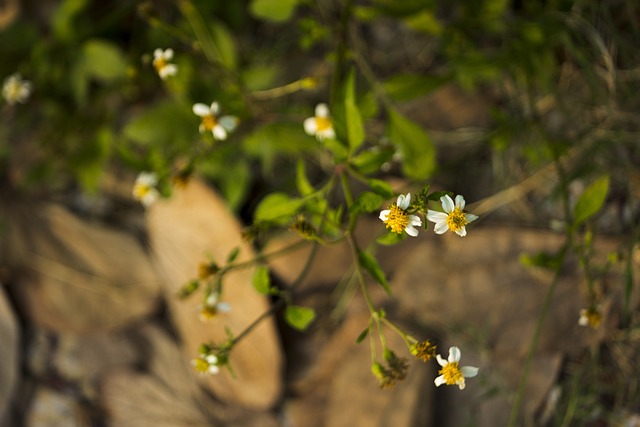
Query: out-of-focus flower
[(453, 218), (212, 307), (144, 188), (206, 364), (320, 125), (162, 64), (16, 89), (398, 219), (423, 350), (218, 126), (590, 317), (451, 372)]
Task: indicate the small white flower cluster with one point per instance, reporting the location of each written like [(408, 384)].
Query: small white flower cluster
[(320, 125), (218, 126), (451, 372), (15, 89), (161, 62)]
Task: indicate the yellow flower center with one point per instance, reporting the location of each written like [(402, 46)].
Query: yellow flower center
[(451, 373), (209, 122), (398, 219), (208, 312), (159, 63), (456, 220), (200, 365), (140, 190), (323, 123)]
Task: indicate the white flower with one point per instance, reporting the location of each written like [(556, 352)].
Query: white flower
[(453, 218), (451, 372), (398, 220), (15, 89), (212, 307), (219, 127), (320, 125), (590, 317), (206, 364), (144, 188), (162, 65)]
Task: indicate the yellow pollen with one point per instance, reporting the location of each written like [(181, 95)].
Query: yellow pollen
[(323, 123), (159, 63), (456, 220), (209, 122), (398, 219), (451, 373), (140, 190), (201, 365)]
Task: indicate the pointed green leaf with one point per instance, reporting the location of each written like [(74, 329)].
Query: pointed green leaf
[(304, 186), (277, 207), (380, 187), (261, 280), (233, 254), (591, 200), (416, 148), (362, 335), (390, 238), (299, 317), (370, 263), (273, 10), (355, 129), (367, 201)]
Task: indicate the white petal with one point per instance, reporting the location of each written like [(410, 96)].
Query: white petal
[(149, 198), (447, 203), (462, 232), (435, 216), (460, 202), (326, 134), (224, 307), (404, 201), (168, 70), (441, 227), (411, 230), (211, 359), (213, 369), (310, 126), (322, 110), (215, 108), (219, 133), (439, 381), (441, 361), (461, 384), (415, 220), (470, 217), (157, 53), (228, 122), (384, 215), (200, 110), (168, 54), (454, 354), (469, 371)]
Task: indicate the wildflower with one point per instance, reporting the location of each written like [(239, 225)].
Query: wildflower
[(398, 220), (451, 373), (144, 188), (162, 65), (212, 307), (304, 228), (590, 317), (320, 125), (384, 375), (423, 350), (219, 127), (453, 218), (207, 269), (397, 365), (15, 89), (206, 364)]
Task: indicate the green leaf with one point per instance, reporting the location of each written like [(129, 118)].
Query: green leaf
[(367, 201), (362, 336), (162, 125), (277, 207), (103, 60), (63, 17), (261, 280), (591, 200), (390, 238), (542, 260), (371, 160), (273, 10), (355, 129), (233, 254), (405, 87), (299, 317), (225, 44), (416, 148), (304, 186), (424, 21), (274, 139), (380, 187), (370, 263)]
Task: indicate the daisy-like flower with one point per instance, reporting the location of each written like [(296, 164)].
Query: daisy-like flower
[(162, 65), (451, 372), (320, 125), (212, 307), (144, 188), (218, 126), (206, 364), (15, 89), (398, 220), (453, 218), (423, 350), (590, 317)]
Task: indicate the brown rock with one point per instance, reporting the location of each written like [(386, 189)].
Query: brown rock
[(184, 231), (9, 354), (51, 408)]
